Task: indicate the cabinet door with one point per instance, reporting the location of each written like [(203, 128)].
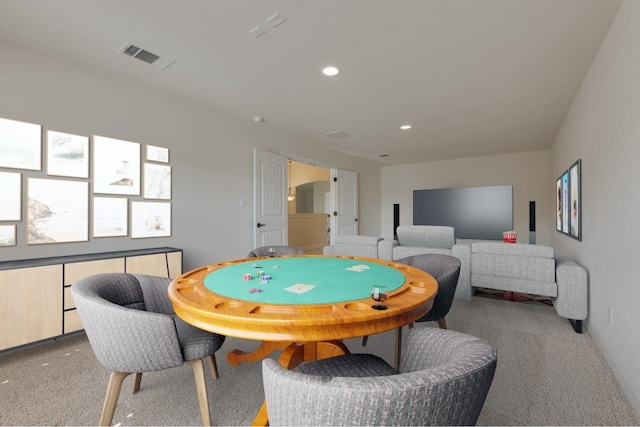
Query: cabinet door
[(31, 306), (174, 259), (153, 265)]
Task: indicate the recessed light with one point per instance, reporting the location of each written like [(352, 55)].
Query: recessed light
[(331, 71), (405, 127)]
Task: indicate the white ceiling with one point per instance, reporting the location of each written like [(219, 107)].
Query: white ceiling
[(473, 77)]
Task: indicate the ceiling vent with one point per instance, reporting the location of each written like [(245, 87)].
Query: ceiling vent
[(338, 134), (146, 56)]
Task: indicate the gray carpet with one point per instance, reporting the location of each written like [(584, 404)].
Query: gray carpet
[(547, 375)]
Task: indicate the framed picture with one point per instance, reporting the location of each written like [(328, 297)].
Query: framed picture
[(67, 154), (569, 201), (20, 145), (157, 154), (559, 204), (575, 196), (11, 199), (110, 216), (57, 211), (157, 181), (7, 235), (150, 219), (565, 202), (116, 166)]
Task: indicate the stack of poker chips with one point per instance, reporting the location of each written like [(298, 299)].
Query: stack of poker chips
[(247, 277)]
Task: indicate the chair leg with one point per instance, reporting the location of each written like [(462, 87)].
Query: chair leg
[(398, 347), (201, 390), (213, 366), (442, 323), (111, 399), (136, 382), (364, 340)]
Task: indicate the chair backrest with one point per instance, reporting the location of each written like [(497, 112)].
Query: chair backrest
[(277, 250), (428, 236), (446, 270), (444, 380), (124, 336)]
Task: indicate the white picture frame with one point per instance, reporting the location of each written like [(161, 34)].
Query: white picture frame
[(7, 235), (150, 219), (11, 199), (157, 181), (57, 211), (157, 154), (67, 154), (110, 216), (116, 166), (20, 145)]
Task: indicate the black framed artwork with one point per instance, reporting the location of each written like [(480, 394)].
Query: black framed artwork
[(569, 201)]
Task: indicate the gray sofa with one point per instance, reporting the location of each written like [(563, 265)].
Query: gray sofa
[(430, 239), (532, 269), (363, 246)]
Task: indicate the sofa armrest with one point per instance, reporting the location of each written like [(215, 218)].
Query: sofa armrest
[(385, 249), (572, 282), (463, 253)]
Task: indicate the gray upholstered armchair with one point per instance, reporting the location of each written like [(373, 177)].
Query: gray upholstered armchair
[(444, 379), (132, 328), (277, 250)]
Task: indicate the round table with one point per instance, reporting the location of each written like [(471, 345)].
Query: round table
[(309, 305)]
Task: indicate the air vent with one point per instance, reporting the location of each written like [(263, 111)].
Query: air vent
[(146, 56), (338, 134)]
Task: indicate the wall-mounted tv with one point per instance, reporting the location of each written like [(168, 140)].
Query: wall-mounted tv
[(475, 212)]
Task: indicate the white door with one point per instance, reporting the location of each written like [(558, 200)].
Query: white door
[(344, 209), (269, 199)]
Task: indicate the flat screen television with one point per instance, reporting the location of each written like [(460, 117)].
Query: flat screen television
[(475, 212)]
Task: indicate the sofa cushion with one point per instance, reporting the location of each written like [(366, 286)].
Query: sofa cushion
[(429, 236), (519, 267), (512, 249)]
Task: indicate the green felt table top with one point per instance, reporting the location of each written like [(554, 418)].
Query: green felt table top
[(302, 280)]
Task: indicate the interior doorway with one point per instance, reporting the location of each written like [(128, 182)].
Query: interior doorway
[(308, 206)]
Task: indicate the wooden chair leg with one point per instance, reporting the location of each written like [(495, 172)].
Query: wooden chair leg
[(201, 390), (398, 347), (136, 382), (111, 399), (442, 323), (213, 366)]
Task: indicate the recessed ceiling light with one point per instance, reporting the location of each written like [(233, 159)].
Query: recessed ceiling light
[(330, 71), (405, 127)]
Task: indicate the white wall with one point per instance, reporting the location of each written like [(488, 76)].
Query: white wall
[(603, 128), (528, 173), (211, 154)]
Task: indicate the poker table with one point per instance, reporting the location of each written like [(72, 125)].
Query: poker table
[(306, 305)]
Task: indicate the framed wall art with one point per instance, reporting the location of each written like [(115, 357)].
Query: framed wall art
[(150, 219), (20, 145), (157, 154), (110, 216), (7, 235), (67, 154), (157, 181), (116, 166), (11, 199), (569, 201), (57, 211)]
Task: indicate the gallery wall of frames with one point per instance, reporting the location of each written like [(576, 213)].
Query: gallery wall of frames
[(569, 201), (95, 187)]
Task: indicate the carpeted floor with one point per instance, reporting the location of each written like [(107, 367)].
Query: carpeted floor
[(546, 375)]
